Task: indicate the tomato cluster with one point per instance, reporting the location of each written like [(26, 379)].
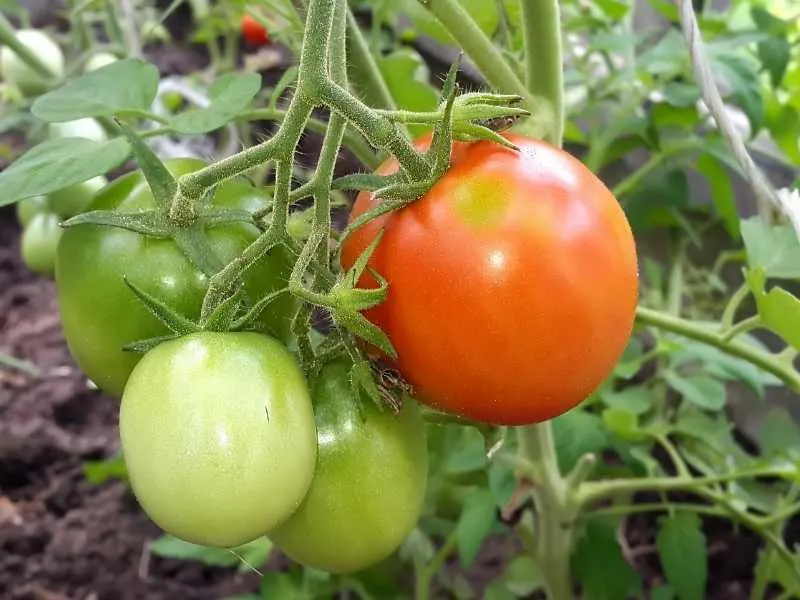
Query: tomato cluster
[(512, 290), (224, 439)]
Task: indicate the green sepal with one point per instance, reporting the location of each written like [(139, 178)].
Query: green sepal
[(364, 181), (470, 132), (194, 243), (144, 346), (255, 311), (224, 313), (357, 270), (441, 144), (160, 310), (224, 216), (362, 380), (148, 222), (162, 184), (358, 325)]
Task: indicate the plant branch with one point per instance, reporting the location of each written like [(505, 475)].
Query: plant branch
[(543, 69), (710, 92), (362, 62), (763, 359), (480, 49)]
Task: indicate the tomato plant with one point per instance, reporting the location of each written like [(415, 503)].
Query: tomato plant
[(532, 250), (93, 262), (253, 31), (370, 480), (218, 436)]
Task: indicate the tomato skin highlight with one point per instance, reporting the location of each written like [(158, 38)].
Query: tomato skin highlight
[(513, 282), (253, 32), (370, 482), (100, 314), (218, 436)]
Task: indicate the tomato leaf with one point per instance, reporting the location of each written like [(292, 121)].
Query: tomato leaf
[(778, 309), (774, 248), (58, 163), (779, 435), (775, 51), (706, 392), (635, 400), (600, 567), (97, 472), (475, 524), (623, 423), (682, 549), (231, 94), (578, 432), (721, 187), (740, 75), (124, 86)]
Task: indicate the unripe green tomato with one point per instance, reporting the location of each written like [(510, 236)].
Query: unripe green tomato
[(98, 61), (14, 70), (218, 435), (72, 200), (30, 207), (85, 128), (39, 243), (370, 481)]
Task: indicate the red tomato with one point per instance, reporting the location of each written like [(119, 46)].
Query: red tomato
[(253, 31), (513, 282)]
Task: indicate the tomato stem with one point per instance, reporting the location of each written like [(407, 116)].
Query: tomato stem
[(543, 69), (364, 68), (556, 510), (764, 359)]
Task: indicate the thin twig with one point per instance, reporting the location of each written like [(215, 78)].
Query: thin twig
[(765, 194)]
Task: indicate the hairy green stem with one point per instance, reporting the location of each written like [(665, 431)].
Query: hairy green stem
[(380, 131), (354, 141), (543, 69), (482, 52), (555, 510), (425, 575), (598, 490), (768, 361), (364, 69)]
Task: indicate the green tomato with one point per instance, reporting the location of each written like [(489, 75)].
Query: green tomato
[(75, 199), (369, 487), (218, 436), (98, 61), (39, 243), (85, 128), (99, 313), (14, 70), (30, 207)]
